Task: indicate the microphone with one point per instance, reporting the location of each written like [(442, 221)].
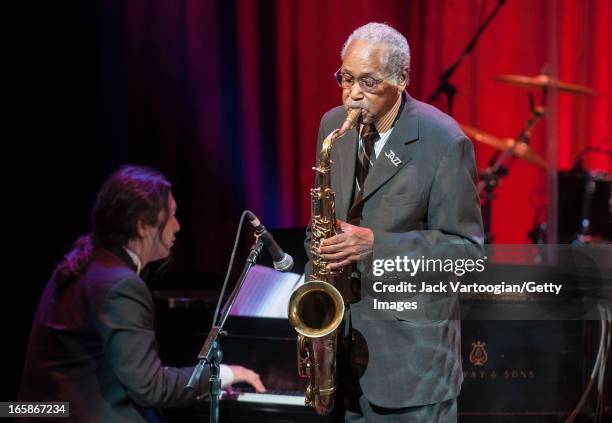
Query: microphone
[(282, 261)]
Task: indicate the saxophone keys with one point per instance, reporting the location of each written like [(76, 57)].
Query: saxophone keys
[(309, 397)]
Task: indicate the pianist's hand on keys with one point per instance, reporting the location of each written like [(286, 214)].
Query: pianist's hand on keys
[(242, 374)]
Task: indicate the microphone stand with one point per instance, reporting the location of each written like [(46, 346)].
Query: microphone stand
[(211, 353), (444, 86)]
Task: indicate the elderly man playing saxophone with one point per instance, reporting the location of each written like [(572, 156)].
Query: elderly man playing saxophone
[(404, 178)]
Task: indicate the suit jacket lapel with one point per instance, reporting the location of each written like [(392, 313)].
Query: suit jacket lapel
[(395, 153)]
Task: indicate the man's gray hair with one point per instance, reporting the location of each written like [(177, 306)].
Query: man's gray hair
[(398, 56)]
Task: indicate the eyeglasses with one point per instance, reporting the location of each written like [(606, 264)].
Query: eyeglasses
[(367, 84)]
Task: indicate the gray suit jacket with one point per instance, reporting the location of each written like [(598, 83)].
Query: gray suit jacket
[(428, 197)]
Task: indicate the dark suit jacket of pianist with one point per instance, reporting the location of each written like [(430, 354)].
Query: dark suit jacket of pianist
[(93, 344)]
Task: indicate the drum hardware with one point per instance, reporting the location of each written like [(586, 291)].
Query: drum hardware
[(508, 149), (500, 163), (518, 149), (537, 234), (590, 193), (585, 209)]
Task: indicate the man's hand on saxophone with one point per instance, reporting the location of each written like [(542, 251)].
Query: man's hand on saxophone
[(348, 247)]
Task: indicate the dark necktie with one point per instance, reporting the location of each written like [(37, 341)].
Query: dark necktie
[(369, 136), (366, 158)]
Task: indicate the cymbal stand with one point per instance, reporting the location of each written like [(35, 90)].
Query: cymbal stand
[(499, 166)]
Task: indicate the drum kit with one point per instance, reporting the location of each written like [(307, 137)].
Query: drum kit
[(585, 198)]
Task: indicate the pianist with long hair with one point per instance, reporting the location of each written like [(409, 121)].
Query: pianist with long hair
[(92, 341)]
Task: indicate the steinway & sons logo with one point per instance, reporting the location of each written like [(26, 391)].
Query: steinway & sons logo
[(479, 357)]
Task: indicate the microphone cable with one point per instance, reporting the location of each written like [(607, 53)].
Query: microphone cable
[(229, 268)]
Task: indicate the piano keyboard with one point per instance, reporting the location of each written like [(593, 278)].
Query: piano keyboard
[(266, 398), (280, 397)]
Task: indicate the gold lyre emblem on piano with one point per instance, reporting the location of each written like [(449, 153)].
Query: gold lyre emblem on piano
[(478, 356)]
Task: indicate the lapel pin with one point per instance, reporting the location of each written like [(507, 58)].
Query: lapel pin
[(393, 157)]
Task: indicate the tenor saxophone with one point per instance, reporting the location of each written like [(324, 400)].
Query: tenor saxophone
[(316, 308)]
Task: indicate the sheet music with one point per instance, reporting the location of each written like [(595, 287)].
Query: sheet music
[(266, 293)]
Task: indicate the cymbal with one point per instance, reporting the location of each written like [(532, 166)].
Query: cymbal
[(521, 149), (485, 138), (543, 81)]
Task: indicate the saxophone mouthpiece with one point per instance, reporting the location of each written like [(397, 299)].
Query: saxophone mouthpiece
[(351, 120)]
